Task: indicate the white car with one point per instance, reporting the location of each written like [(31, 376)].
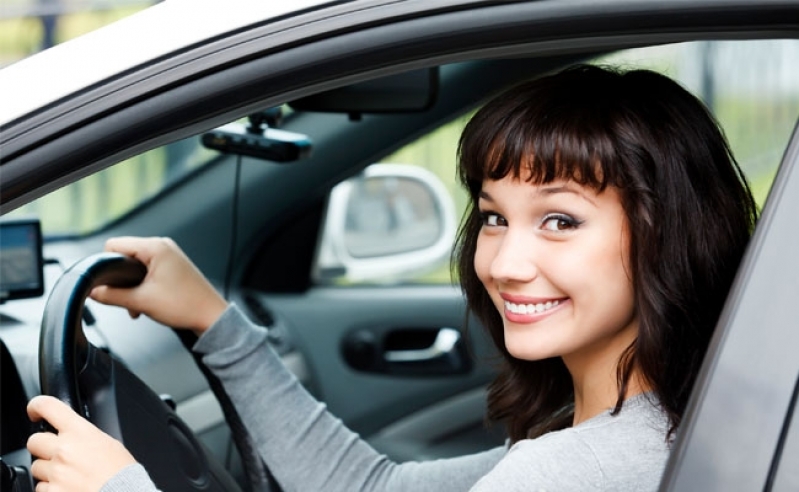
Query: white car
[(247, 131)]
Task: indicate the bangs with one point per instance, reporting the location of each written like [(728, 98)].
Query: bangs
[(555, 132), (550, 155)]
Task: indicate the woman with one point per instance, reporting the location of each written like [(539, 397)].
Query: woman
[(606, 222)]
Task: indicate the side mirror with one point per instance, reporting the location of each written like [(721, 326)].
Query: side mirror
[(389, 223)]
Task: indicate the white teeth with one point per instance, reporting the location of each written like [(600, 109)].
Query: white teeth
[(530, 308)]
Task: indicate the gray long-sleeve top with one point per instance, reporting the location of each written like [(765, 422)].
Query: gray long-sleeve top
[(308, 449)]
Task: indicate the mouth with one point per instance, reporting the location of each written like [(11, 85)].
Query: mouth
[(532, 308)]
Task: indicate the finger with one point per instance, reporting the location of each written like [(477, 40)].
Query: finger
[(127, 245), (43, 487), (137, 247), (42, 444), (128, 298), (40, 469), (141, 248), (54, 411)]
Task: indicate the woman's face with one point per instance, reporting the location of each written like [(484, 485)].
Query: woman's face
[(553, 258)]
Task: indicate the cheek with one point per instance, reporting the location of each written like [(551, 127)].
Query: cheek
[(483, 257), (618, 261), (613, 277), (597, 268)]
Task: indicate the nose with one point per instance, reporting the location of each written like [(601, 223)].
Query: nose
[(514, 260)]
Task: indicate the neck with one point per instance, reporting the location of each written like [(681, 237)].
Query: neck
[(591, 399), (594, 376)]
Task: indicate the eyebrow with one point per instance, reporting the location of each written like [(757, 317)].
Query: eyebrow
[(552, 190), (549, 190)]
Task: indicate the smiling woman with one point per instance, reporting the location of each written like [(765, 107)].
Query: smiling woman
[(581, 202)]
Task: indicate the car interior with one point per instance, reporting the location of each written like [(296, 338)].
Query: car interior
[(329, 219)]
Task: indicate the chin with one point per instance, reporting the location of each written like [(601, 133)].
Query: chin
[(524, 352)]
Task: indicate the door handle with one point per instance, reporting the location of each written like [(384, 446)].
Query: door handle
[(444, 345), (407, 351)]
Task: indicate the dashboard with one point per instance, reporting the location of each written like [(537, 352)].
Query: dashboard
[(29, 269), (21, 278), (151, 351)]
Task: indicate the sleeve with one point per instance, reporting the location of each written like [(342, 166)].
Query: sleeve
[(132, 478), (304, 446)]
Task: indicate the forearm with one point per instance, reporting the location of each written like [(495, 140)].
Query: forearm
[(130, 479)]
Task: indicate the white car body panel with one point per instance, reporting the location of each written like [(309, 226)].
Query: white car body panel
[(115, 48)]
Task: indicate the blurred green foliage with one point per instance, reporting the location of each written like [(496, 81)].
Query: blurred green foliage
[(23, 36)]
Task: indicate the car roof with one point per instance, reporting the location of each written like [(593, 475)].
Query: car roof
[(176, 26), (87, 60)]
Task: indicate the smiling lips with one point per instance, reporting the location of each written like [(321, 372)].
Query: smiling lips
[(521, 311)]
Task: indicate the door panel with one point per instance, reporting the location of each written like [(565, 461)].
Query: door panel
[(410, 413)]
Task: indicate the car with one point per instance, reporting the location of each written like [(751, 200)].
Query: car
[(302, 154)]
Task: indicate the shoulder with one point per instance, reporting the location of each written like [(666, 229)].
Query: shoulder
[(631, 447), (638, 430), (556, 461), (627, 451)]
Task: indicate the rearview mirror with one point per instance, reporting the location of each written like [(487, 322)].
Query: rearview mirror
[(389, 223)]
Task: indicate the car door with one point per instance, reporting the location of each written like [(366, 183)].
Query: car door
[(740, 431)]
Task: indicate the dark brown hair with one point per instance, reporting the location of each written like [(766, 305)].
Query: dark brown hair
[(689, 209)]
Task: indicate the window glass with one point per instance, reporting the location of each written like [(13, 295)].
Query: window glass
[(751, 86), (91, 203)]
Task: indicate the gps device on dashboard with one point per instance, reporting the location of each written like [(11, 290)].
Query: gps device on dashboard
[(21, 263)]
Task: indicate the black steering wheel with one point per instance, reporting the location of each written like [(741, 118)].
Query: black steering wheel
[(101, 389)]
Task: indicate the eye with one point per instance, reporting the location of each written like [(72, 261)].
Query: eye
[(559, 223), (491, 219)]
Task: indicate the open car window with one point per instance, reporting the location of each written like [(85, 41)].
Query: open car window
[(93, 202), (752, 87)]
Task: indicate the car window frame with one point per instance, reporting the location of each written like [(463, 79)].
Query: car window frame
[(750, 348)]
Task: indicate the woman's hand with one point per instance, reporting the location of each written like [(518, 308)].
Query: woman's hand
[(174, 292), (79, 458)]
